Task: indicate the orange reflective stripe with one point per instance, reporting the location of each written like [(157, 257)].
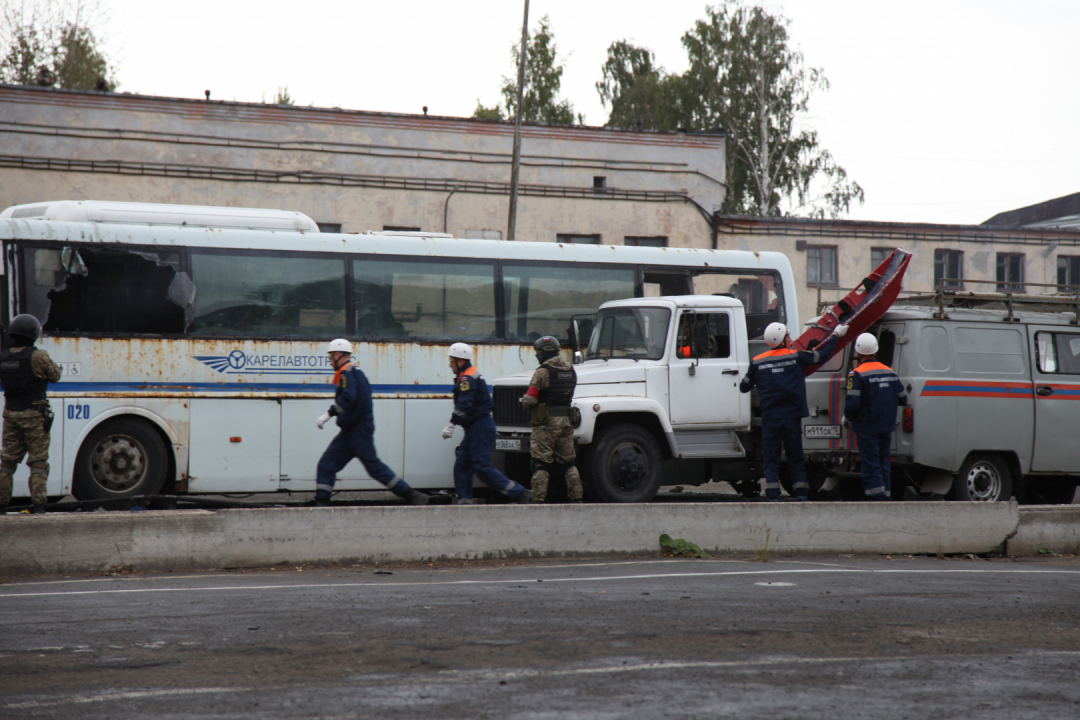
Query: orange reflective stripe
[(776, 353), (872, 365), (471, 370)]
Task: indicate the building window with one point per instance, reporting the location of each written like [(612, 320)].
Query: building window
[(878, 256), (329, 227), (483, 234), (1010, 272), (599, 182), (658, 241), (821, 265), (948, 269), (578, 239), (400, 228), (1068, 273)]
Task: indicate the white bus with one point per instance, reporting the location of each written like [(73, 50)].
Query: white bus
[(192, 339)]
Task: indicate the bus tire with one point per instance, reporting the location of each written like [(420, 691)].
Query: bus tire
[(984, 477), (119, 459), (622, 465)]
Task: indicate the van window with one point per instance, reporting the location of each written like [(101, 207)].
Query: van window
[(1044, 351), (989, 350), (934, 349), (886, 347), (1058, 353)]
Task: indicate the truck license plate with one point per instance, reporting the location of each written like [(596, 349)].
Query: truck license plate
[(507, 443), (821, 431)]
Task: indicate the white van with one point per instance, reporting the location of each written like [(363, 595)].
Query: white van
[(993, 382)]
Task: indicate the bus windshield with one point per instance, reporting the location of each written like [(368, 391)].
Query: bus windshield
[(627, 332)]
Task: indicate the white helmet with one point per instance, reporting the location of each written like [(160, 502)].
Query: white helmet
[(775, 334), (461, 350), (866, 344), (340, 345)]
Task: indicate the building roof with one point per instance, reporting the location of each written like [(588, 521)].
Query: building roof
[(1062, 212), (224, 110)]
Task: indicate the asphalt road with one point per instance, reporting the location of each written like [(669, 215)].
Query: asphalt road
[(834, 637)]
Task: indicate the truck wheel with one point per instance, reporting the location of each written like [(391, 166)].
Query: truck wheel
[(983, 478), (120, 459), (623, 465)]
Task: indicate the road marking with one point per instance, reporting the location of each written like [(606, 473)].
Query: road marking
[(180, 577), (595, 578), (82, 699), (776, 584)]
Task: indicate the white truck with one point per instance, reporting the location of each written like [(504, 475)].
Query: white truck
[(993, 382), (658, 392)]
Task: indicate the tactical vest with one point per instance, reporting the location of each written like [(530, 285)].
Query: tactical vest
[(21, 387), (560, 390)]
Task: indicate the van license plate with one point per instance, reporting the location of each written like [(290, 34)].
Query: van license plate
[(821, 431), (507, 443)]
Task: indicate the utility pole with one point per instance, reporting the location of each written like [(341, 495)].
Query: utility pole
[(515, 167)]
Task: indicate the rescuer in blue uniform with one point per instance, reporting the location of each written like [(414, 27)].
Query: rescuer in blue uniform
[(874, 392), (781, 383), (472, 411), (353, 409)]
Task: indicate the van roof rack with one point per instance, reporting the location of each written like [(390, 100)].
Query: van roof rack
[(1059, 302)]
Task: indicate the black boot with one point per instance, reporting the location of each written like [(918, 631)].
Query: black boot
[(3, 509), (416, 498), (38, 509)]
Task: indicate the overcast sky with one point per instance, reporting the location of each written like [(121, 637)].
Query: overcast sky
[(945, 111)]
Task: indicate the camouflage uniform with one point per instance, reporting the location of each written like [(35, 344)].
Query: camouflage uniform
[(25, 435), (552, 440)]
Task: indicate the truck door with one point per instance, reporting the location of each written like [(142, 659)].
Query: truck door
[(705, 389), (1056, 373)]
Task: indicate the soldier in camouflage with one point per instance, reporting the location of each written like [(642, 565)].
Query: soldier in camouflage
[(26, 372), (548, 400)]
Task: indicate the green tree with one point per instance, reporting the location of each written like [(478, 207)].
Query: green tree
[(487, 113), (641, 94), (745, 78), (283, 97), (543, 77), (53, 44)]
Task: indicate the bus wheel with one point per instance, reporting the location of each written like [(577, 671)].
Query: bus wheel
[(119, 459), (623, 465), (983, 478)]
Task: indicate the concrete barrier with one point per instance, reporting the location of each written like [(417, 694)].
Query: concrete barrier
[(1047, 528), (197, 539)]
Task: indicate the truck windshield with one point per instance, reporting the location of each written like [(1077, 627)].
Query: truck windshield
[(629, 333)]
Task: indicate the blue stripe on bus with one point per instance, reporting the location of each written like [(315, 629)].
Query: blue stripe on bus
[(136, 387)]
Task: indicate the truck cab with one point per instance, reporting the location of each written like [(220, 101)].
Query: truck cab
[(658, 392)]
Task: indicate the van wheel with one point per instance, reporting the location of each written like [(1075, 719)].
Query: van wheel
[(623, 465), (983, 478), (120, 459)]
